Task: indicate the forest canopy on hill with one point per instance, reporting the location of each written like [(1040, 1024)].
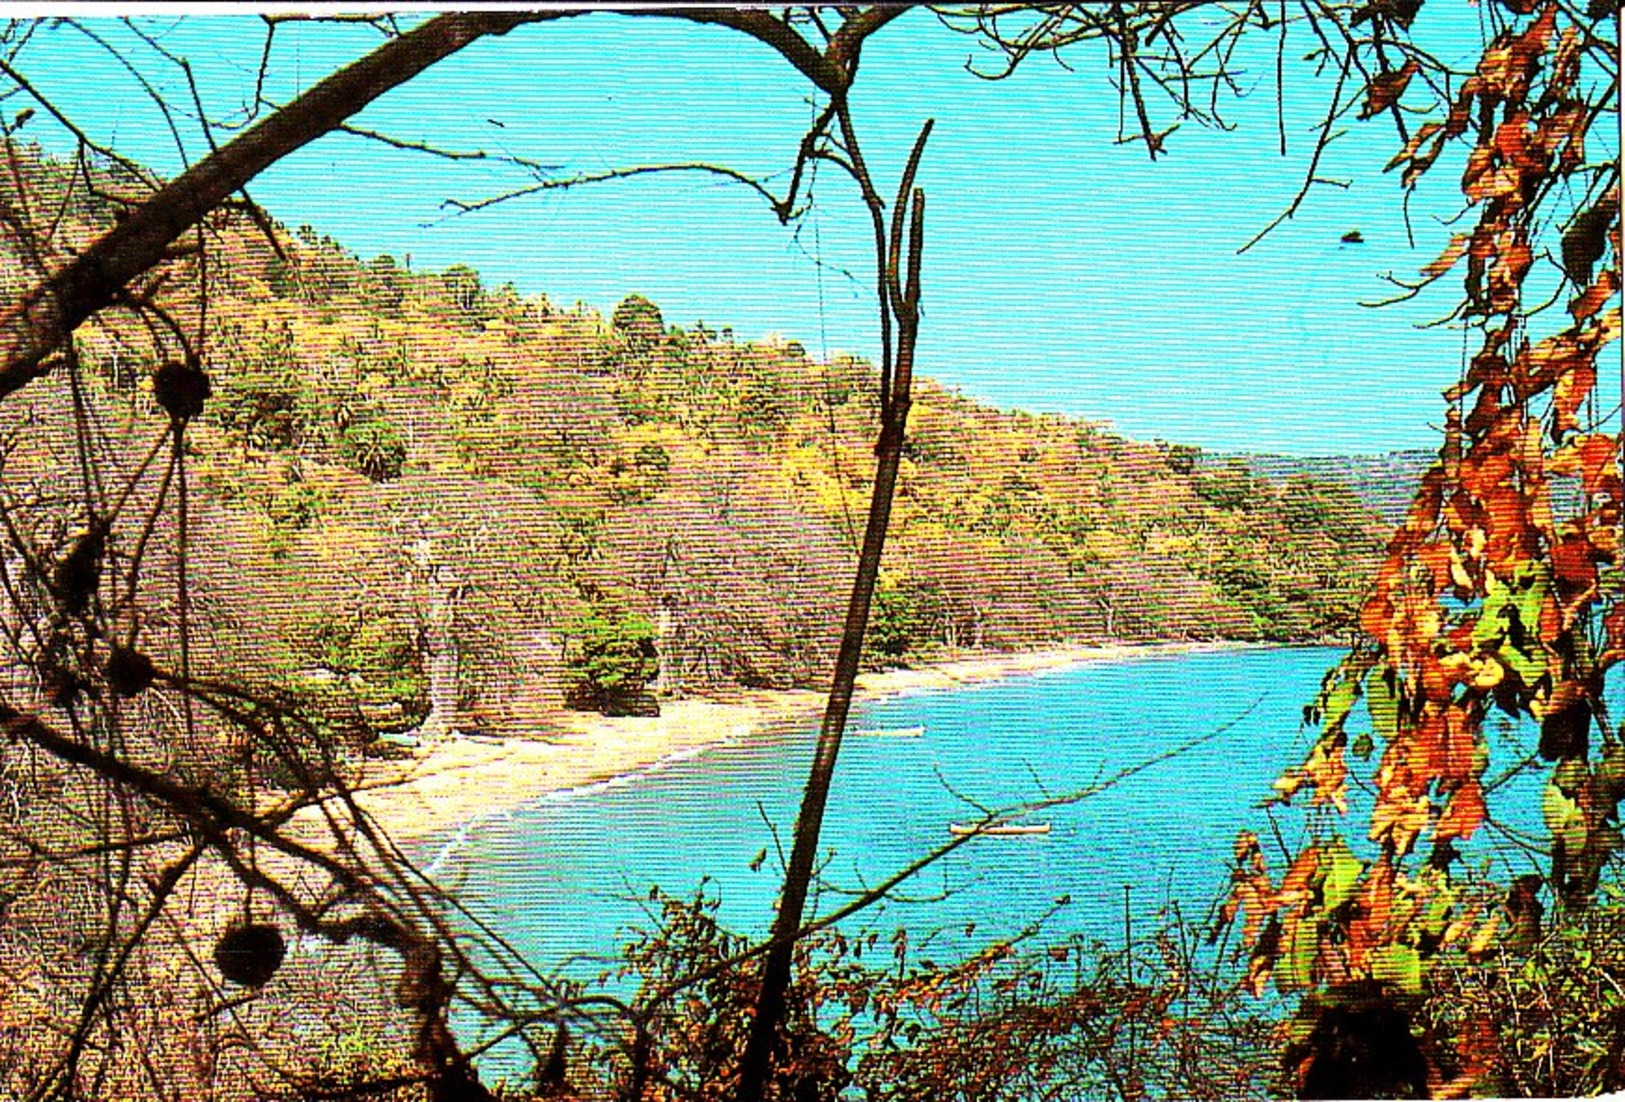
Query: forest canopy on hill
[(586, 506)]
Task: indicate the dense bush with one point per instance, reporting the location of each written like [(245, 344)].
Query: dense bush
[(1543, 1013), (372, 446), (869, 1015), (612, 660), (638, 321), (905, 616)]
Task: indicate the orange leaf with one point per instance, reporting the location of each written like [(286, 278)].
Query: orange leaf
[(1573, 387), (1485, 410), (1595, 296), (1483, 474), (1544, 362), (1613, 623), (1386, 88), (1478, 163), (1458, 746), (1534, 40), (1432, 680), (1326, 770), (1599, 467), (1504, 181), (1377, 617), (1262, 961), (1423, 133), (1464, 813), (1397, 822), (1565, 124), (1609, 327), (1511, 536), (1518, 145), (1573, 564), (1448, 258), (1377, 900), (1436, 556), (1566, 60), (1424, 511), (1295, 885), (1509, 62), (1511, 263)]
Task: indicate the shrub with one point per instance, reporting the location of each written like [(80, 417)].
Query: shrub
[(372, 446), (292, 508), (1227, 487), (903, 617), (372, 675), (263, 408), (612, 661)]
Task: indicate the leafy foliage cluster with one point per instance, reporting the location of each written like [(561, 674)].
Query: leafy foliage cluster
[(616, 659), (1500, 595), (872, 1015), (382, 416)]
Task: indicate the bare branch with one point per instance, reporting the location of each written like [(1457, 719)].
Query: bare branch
[(36, 327), (462, 207)]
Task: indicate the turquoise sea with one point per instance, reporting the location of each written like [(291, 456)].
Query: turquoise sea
[(565, 878)]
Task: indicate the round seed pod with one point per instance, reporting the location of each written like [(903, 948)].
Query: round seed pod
[(181, 390), (249, 953), (80, 571), (1565, 733), (129, 672)]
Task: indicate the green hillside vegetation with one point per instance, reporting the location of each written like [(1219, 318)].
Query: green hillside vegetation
[(440, 501)]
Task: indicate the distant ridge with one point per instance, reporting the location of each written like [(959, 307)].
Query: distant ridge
[(1383, 483)]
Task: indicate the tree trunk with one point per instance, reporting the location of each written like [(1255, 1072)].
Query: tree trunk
[(668, 675), (440, 592), (441, 637), (756, 1063)]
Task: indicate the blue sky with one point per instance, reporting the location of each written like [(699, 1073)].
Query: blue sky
[(1062, 272)]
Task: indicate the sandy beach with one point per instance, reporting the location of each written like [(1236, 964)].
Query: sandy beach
[(456, 780)]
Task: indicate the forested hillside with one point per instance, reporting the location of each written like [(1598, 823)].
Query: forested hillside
[(1382, 483), (493, 504)]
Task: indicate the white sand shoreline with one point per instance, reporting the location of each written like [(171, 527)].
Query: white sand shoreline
[(454, 786)]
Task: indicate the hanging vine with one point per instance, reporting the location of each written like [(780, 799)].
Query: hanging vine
[(1502, 590)]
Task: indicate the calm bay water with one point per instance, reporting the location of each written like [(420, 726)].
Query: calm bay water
[(566, 877)]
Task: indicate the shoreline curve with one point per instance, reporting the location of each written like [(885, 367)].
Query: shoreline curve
[(454, 785)]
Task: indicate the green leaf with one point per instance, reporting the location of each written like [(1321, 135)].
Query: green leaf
[(1558, 810), (1512, 612), (1338, 693), (1613, 767), (1570, 775), (1528, 667), (1491, 628), (1532, 584), (1576, 836), (1294, 971), (1343, 871), (1400, 965), (1382, 701), (1437, 915), (1362, 745)]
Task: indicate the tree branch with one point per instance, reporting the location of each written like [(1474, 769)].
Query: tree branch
[(36, 327), (765, 28)]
